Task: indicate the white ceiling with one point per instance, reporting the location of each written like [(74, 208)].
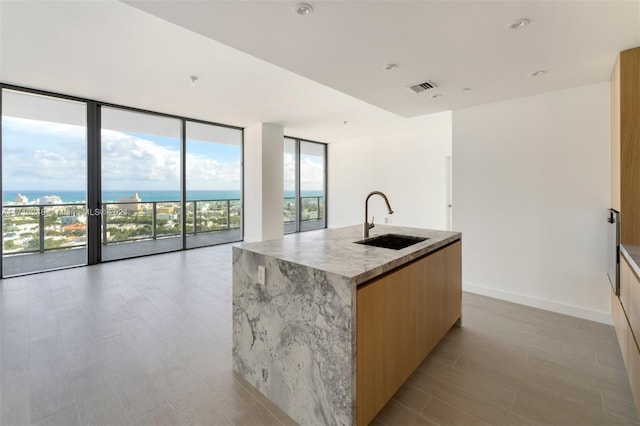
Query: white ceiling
[(457, 44), (261, 62)]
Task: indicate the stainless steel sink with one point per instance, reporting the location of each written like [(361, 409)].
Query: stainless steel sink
[(392, 241)]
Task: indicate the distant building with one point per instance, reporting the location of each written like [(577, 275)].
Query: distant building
[(21, 199), (166, 216), (135, 205), (49, 199), (74, 227), (68, 220)]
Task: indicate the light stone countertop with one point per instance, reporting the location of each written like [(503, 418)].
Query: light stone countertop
[(632, 253), (333, 250)]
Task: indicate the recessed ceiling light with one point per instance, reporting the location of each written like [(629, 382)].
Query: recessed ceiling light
[(304, 9), (466, 89), (436, 95), (390, 66), (520, 23), (537, 73)]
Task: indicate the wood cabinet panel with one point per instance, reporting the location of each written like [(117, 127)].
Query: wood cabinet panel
[(627, 280), (453, 287), (628, 134), (630, 296), (628, 346), (633, 353), (633, 314), (615, 137), (621, 326), (400, 318), (625, 197)]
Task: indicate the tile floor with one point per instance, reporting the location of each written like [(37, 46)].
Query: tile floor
[(54, 259), (147, 341)]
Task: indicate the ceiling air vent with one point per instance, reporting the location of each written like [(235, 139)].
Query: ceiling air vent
[(421, 87)]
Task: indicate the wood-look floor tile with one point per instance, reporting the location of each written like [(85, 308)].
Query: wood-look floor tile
[(556, 408), (621, 407), (395, 413), (229, 396), (586, 341), (412, 397), (49, 393), (161, 416), (442, 413), (156, 350), (193, 406), (585, 381), (612, 360), (102, 408), (14, 397), (474, 404), (262, 400), (15, 350), (253, 415), (66, 417), (139, 396), (492, 392), (92, 381)]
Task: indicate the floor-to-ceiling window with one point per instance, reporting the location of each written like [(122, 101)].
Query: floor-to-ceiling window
[(140, 156), (84, 182), (290, 186), (44, 181), (213, 161), (312, 185), (305, 171)]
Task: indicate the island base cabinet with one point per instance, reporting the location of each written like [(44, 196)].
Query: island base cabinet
[(625, 311), (401, 317)]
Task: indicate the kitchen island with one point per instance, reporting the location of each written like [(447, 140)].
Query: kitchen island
[(298, 327)]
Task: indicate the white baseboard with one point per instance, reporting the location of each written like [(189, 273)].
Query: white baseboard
[(561, 308)]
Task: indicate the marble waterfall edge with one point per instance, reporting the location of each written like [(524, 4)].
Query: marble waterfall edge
[(293, 337)]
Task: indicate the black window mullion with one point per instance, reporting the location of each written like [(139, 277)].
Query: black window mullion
[(94, 184), (183, 184), (297, 188)]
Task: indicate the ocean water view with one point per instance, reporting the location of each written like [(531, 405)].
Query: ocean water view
[(9, 196)]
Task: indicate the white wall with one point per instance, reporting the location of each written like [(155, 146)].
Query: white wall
[(530, 193), (410, 168), (263, 177)]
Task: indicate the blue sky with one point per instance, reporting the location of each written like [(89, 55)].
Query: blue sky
[(221, 152), (51, 156), (39, 155)]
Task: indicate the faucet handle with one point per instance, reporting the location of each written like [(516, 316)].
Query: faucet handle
[(372, 224)]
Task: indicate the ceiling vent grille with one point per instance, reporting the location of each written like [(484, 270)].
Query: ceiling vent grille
[(421, 87)]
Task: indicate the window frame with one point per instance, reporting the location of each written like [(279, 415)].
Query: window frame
[(297, 190), (94, 166)]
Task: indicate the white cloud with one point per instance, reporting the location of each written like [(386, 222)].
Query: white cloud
[(53, 155), (206, 173), (131, 159), (128, 158), (289, 171), (34, 156), (311, 173)]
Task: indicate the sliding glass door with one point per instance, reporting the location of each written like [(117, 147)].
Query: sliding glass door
[(213, 173), (44, 180), (84, 182), (305, 170), (290, 212), (312, 185), (140, 156)]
